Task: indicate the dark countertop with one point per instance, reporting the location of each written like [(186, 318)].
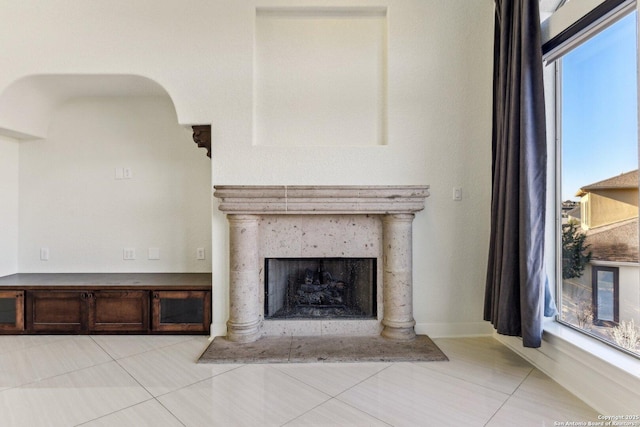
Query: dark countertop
[(111, 280)]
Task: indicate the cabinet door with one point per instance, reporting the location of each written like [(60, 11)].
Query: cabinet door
[(11, 311), (119, 311), (56, 311), (181, 311)]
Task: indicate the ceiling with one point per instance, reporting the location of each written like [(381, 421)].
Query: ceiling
[(547, 7)]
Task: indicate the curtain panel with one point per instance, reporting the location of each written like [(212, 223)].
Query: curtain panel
[(515, 284)]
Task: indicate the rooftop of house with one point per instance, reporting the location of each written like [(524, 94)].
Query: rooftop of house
[(624, 180), (575, 213), (616, 242)]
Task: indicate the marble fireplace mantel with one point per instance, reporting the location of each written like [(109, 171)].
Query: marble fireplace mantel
[(246, 206)]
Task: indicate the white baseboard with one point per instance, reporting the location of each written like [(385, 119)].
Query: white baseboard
[(450, 330), (603, 377)]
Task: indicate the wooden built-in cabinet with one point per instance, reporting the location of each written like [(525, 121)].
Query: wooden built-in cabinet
[(106, 304)]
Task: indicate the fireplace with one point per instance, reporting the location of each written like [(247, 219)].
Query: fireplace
[(322, 231), (320, 288)]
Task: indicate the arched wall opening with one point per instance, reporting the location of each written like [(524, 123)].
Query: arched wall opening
[(107, 179)]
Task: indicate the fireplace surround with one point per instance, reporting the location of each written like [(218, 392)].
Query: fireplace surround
[(320, 222)]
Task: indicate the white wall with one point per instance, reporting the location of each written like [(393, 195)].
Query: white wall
[(72, 203), (9, 155), (437, 124), (168, 41), (439, 72)]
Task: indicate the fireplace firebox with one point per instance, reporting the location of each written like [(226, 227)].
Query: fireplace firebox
[(320, 288)]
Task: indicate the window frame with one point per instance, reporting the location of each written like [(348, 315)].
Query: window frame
[(616, 295), (598, 19), (605, 14)]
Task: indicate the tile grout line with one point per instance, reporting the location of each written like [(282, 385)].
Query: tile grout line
[(180, 388), (337, 400), (190, 338), (32, 346), (480, 365), (102, 348), (510, 395), (357, 384), (117, 362), (129, 407), (152, 396), (467, 380), (239, 366), (60, 374), (336, 396)]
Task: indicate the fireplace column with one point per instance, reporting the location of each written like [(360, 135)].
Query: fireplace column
[(397, 290), (244, 279)]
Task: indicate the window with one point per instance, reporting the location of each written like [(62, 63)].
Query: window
[(606, 306), (597, 132)]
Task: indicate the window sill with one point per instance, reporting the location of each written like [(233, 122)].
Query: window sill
[(561, 334)]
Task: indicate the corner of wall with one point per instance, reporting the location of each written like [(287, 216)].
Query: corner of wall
[(218, 329), (9, 156)]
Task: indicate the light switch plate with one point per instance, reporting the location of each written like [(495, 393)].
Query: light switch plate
[(457, 193), (154, 253)]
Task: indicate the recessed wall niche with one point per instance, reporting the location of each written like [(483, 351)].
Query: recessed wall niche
[(320, 76)]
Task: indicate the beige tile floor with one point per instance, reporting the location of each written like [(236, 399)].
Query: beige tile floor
[(155, 381)]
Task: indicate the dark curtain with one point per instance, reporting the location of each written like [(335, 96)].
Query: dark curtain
[(515, 285)]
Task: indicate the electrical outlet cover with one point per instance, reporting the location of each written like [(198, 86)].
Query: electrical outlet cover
[(129, 253)]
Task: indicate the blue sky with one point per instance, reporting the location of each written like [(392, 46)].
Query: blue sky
[(599, 108)]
